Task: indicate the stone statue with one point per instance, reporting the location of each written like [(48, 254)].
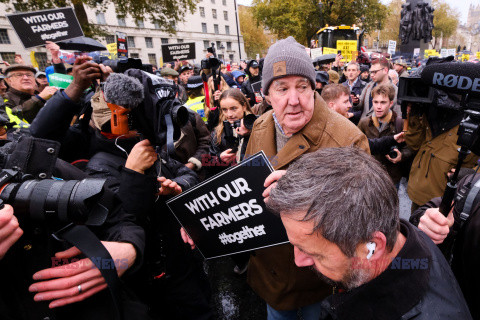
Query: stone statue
[(418, 17), (405, 23), (427, 37)]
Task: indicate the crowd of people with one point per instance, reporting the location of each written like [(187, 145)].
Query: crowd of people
[(341, 144)]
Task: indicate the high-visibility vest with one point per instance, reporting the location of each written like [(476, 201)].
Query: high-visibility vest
[(19, 123), (198, 105)]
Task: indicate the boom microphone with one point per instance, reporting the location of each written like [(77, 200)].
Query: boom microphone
[(122, 93), (123, 90), (461, 78)]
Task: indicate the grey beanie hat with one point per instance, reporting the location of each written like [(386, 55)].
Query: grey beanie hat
[(287, 57)]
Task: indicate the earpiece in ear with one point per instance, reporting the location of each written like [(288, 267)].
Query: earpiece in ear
[(371, 249)]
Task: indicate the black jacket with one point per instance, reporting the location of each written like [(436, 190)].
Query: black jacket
[(418, 285), (35, 249), (466, 260)]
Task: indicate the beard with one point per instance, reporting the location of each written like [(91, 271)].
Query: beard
[(354, 278)]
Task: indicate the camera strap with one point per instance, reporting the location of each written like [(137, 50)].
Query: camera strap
[(88, 243), (170, 130)]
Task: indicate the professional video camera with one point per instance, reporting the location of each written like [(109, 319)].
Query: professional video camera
[(231, 136), (454, 79), (123, 64), (211, 63), (147, 104)]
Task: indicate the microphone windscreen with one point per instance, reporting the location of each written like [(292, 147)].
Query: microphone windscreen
[(123, 90), (454, 77)]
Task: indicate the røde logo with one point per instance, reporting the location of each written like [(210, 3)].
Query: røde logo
[(454, 81)]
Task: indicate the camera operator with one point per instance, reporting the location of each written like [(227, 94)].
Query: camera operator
[(432, 134), (465, 263)]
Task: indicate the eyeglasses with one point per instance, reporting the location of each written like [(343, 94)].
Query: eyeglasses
[(374, 72), (21, 75)]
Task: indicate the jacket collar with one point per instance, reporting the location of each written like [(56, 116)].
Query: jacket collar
[(21, 94), (394, 292), (301, 141)]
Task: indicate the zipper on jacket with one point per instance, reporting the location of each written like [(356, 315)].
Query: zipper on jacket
[(428, 166), (420, 160)]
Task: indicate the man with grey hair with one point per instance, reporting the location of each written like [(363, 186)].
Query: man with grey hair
[(299, 123), (341, 215)]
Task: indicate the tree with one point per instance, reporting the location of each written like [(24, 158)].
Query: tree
[(254, 37), (165, 12), (391, 27), (301, 19), (445, 20)]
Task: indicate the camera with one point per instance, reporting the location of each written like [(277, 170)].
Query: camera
[(72, 201), (123, 64), (211, 63), (231, 136), (393, 152)]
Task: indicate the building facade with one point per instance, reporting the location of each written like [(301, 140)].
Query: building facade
[(213, 21)]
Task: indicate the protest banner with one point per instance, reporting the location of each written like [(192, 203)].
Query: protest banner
[(59, 80), (392, 47), (347, 47), (327, 50), (112, 49), (226, 214), (478, 55), (451, 52), (316, 52), (178, 51), (122, 46), (416, 52), (36, 27)]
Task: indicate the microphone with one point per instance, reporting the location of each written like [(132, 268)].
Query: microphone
[(460, 78), (122, 93), (123, 90)]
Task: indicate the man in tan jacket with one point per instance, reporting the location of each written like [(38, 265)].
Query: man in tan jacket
[(299, 123)]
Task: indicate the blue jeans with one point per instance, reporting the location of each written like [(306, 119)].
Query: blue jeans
[(310, 312)]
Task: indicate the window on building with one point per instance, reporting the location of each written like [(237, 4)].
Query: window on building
[(110, 39), (131, 42), (149, 42), (224, 2), (214, 13), (215, 28), (41, 58), (140, 23), (202, 12), (100, 18), (206, 44), (218, 44), (227, 30), (180, 41), (220, 56), (174, 25), (4, 39), (230, 57), (204, 27), (225, 15), (8, 56), (164, 40), (229, 46), (213, 1), (121, 22), (152, 58), (134, 55), (156, 24)]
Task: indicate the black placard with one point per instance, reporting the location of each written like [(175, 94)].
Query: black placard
[(178, 51), (226, 214), (122, 45), (34, 28)]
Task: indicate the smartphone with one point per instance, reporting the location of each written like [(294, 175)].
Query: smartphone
[(339, 52)]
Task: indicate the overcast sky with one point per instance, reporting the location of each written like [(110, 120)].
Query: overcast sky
[(461, 5)]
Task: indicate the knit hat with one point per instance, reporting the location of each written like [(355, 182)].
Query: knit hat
[(286, 58)]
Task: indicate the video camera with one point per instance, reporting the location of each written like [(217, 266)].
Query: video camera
[(231, 137), (123, 64), (211, 63)]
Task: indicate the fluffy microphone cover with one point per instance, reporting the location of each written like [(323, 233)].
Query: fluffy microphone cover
[(123, 90)]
